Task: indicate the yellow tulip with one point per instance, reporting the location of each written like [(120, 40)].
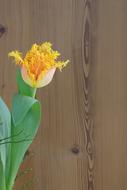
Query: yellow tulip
[(39, 64)]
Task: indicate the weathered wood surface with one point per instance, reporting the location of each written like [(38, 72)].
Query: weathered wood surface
[(81, 143)]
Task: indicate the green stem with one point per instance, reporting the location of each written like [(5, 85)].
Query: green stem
[(34, 93)]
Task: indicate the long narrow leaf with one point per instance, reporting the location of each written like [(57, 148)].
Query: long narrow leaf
[(2, 177), (5, 130), (26, 114)]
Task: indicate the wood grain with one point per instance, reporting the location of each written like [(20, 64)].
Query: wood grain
[(81, 143), (110, 96)]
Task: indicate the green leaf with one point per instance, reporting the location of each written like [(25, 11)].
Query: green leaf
[(21, 106), (26, 115), (5, 131), (23, 88), (2, 177)]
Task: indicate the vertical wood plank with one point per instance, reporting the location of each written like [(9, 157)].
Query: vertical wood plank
[(110, 96), (83, 54)]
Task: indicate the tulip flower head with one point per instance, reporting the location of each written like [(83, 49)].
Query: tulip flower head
[(39, 64)]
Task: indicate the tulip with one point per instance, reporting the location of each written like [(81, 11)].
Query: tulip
[(39, 64)]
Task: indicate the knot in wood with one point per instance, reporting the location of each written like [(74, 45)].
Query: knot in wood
[(3, 30), (75, 149)]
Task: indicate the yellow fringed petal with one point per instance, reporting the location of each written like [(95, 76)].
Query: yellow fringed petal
[(17, 56), (61, 64)]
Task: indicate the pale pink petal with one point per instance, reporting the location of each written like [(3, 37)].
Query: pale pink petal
[(25, 76), (47, 78)]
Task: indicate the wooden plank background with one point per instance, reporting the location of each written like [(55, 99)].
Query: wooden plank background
[(82, 141)]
